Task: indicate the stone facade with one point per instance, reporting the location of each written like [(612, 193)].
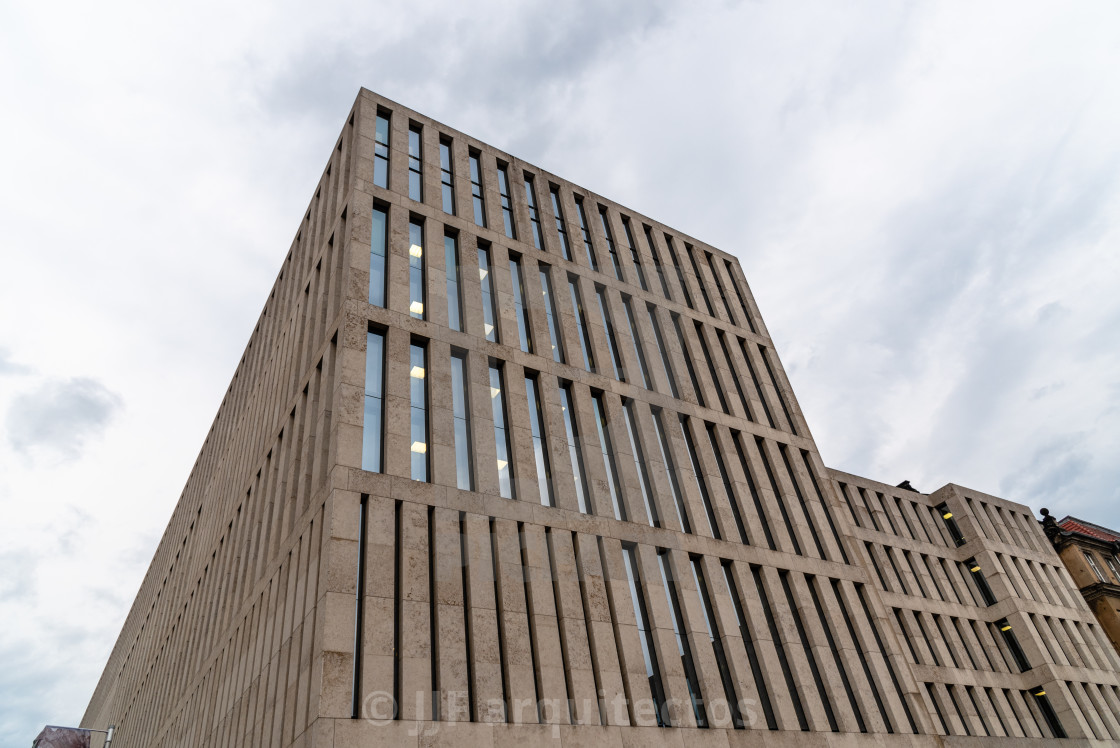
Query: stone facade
[(625, 535)]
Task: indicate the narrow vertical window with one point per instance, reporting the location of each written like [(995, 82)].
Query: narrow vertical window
[(634, 257), (731, 498), (757, 383), (418, 411), (381, 150), (581, 325), (666, 364), (734, 374), (476, 191), (416, 307), (737, 438), (501, 433), (1048, 713), (738, 293), (612, 342), (489, 325), (699, 278), (748, 643), (795, 613), (377, 244), (575, 452), (680, 273), (464, 474), (446, 176), (374, 403), (561, 227), (639, 351), (540, 451), (608, 457), (586, 235), (777, 389), (523, 332), (719, 287), (671, 469), (779, 647), (711, 368), (534, 214), (415, 173), (714, 639), (454, 297), (640, 463), (1012, 643), (507, 205), (550, 315), (683, 647), (688, 362), (645, 634), (657, 263), (951, 524), (837, 660), (610, 242), (697, 473)]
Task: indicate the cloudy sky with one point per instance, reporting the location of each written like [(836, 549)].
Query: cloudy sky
[(923, 195)]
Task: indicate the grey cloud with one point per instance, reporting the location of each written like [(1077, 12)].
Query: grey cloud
[(61, 416)]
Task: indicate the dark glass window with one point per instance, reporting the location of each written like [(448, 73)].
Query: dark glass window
[(586, 235), (415, 171), (645, 635), (507, 205), (680, 274), (489, 323), (951, 524), (719, 287), (639, 350), (477, 195), (610, 243), (688, 361), (699, 278), (711, 368), (671, 469), (698, 473), (374, 402), (683, 647), (640, 463), (540, 449), (454, 297), (464, 472), (551, 315), (523, 331), (714, 639), (416, 306), (666, 364), (657, 263), (378, 243), (446, 176), (581, 325), (634, 257), (418, 399), (501, 433), (575, 451), (748, 642), (1013, 646), (558, 213), (381, 150), (732, 500), (612, 343), (608, 457), (534, 215)]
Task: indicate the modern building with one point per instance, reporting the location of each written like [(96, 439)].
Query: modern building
[(1091, 554), (505, 463)]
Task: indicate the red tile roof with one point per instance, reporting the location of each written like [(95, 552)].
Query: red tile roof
[(1072, 524)]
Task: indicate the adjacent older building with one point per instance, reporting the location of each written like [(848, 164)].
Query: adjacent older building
[(506, 463), (1091, 554)]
